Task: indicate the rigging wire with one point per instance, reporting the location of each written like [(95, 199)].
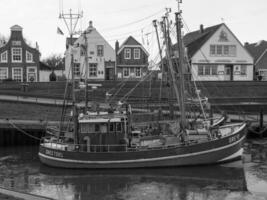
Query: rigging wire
[(131, 23), (22, 131)]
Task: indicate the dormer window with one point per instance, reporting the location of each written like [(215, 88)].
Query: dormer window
[(127, 53), (4, 57), (29, 57), (16, 54), (136, 53)]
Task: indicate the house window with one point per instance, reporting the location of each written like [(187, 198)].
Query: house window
[(17, 74), (29, 57), (92, 69), (100, 50), (212, 50), (223, 50), (76, 69), (243, 70), (16, 55), (3, 73), (214, 70), (138, 72), (207, 70), (136, 53), (31, 74), (4, 57), (127, 53), (126, 72)]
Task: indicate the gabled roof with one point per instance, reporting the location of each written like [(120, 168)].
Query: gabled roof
[(257, 50), (196, 39), (16, 28), (131, 41)]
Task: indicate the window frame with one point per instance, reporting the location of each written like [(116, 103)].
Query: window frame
[(35, 72), (207, 70), (13, 74), (242, 71), (77, 69), (31, 56), (100, 51), (13, 54), (2, 55), (136, 71), (127, 51), (222, 50), (137, 50), (126, 69), (6, 69), (92, 71)]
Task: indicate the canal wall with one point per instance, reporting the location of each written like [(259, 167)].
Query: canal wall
[(214, 90)]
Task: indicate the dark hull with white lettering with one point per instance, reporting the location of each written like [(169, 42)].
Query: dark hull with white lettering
[(214, 151)]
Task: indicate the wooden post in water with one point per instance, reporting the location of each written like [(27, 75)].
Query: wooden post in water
[(261, 119)]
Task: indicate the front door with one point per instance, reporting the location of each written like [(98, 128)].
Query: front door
[(109, 74), (229, 73)]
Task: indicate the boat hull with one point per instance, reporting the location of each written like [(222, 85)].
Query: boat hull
[(221, 150)]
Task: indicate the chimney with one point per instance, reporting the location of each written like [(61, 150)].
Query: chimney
[(90, 24), (201, 28)]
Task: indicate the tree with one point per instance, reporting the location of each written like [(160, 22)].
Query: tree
[(55, 61)]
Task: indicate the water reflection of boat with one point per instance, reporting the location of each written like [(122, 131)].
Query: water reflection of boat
[(89, 183)]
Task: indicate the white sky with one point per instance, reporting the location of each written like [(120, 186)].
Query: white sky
[(39, 19)]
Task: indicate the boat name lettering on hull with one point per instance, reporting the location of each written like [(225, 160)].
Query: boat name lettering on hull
[(53, 153), (234, 138)]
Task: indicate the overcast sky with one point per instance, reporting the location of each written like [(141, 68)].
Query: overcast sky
[(117, 19)]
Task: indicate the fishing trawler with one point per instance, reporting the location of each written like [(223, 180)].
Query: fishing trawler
[(105, 139)]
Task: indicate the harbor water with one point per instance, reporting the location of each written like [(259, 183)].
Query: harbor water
[(21, 170)]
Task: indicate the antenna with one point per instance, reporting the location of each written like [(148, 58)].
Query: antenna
[(71, 20)]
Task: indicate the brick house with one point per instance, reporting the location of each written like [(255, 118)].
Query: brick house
[(259, 52), (216, 54), (131, 59), (19, 61)]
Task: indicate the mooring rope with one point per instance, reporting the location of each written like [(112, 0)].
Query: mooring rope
[(22, 131)]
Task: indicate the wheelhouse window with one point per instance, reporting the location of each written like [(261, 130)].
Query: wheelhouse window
[(136, 53), (92, 70), (17, 74), (16, 54), (100, 50), (207, 70), (29, 57), (223, 50), (127, 53), (3, 73), (126, 72), (4, 57)]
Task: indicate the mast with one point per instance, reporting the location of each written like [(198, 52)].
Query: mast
[(180, 65), (86, 70), (71, 25), (172, 71), (161, 61)]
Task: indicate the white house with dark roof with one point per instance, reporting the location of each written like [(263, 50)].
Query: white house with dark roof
[(216, 54), (100, 54)]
